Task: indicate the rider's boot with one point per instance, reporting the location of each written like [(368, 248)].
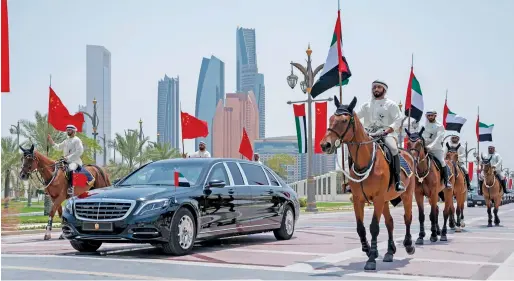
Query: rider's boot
[(479, 188), (468, 184), (70, 183), (446, 174), (503, 185), (397, 174)]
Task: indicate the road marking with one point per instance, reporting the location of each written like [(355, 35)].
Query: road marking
[(484, 218), (394, 276), (275, 252), (504, 271), (447, 261), (108, 274)]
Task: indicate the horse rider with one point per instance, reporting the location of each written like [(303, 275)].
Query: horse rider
[(382, 117), (433, 135), (496, 163), (72, 149), (461, 152)]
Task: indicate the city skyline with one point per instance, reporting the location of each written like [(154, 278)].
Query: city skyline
[(378, 44), (168, 111)]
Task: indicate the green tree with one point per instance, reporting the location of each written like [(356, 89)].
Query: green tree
[(129, 146), (279, 162), (161, 151), (10, 159)]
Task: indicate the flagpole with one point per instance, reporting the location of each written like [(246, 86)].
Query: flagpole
[(478, 144), (47, 121), (183, 151), (341, 100), (411, 69)]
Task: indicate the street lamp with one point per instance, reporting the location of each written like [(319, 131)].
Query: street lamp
[(306, 86), (468, 151), (15, 130), (94, 123), (158, 135)]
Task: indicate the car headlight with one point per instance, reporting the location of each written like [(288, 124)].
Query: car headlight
[(153, 206), (69, 206)]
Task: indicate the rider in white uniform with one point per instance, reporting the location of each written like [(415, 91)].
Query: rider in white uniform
[(382, 117), (461, 151), (496, 163), (433, 135), (72, 149)]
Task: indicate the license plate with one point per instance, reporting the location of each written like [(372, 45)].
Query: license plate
[(97, 226)]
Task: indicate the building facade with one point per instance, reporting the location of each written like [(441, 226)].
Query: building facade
[(98, 86), (248, 78), (210, 90), (83, 108), (239, 111), (168, 111)]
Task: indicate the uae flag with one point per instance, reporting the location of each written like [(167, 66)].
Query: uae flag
[(452, 121), (301, 127), (484, 131), (179, 179), (335, 64), (414, 100)]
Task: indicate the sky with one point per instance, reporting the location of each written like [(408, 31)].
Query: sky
[(463, 46)]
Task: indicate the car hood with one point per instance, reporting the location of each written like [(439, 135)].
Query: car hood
[(135, 192)]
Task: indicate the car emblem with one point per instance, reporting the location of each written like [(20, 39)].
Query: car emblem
[(97, 226)]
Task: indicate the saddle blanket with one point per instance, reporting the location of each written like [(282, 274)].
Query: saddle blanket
[(404, 165), (82, 177)]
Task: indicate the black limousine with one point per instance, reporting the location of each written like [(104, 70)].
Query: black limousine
[(173, 203)]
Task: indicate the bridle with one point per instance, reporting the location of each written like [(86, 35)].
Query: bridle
[(37, 171), (417, 160), (489, 173)]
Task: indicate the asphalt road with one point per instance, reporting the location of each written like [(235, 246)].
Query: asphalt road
[(325, 246)]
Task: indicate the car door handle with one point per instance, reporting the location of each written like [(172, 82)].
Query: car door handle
[(271, 191), (231, 191)]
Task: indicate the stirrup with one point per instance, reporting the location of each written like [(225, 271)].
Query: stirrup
[(70, 191), (399, 187)]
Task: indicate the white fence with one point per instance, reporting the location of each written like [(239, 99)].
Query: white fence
[(328, 188)]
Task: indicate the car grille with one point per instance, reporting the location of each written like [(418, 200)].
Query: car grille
[(103, 210)]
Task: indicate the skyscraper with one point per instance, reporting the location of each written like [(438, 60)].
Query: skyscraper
[(240, 111), (168, 109), (84, 126), (211, 89), (248, 78), (98, 86)]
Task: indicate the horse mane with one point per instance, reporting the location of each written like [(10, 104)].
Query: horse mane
[(358, 123)]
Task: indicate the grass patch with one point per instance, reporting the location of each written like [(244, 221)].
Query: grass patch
[(37, 219), (21, 207), (331, 206)]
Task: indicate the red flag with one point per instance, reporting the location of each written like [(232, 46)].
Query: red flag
[(60, 117), (470, 170), (245, 148), (445, 112), (6, 84), (342, 67), (193, 127), (510, 183), (408, 98), (79, 180), (405, 142), (321, 125)]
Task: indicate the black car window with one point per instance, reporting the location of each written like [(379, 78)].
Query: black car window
[(272, 178), (163, 173), (236, 174), (254, 174), (218, 172)]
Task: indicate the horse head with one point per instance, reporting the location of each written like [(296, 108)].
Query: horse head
[(486, 165), (340, 123), (416, 143), (452, 153), (28, 162)]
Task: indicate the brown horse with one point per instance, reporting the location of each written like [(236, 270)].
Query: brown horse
[(460, 190), (429, 183), (492, 191), (370, 180), (55, 181)]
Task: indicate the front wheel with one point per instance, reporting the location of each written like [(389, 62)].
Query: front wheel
[(85, 246), (286, 230), (182, 234)]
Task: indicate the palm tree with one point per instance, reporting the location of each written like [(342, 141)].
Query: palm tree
[(279, 162), (114, 145), (163, 150), (129, 146), (10, 158)]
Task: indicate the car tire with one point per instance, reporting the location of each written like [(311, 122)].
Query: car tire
[(85, 246), (286, 230), (182, 234)]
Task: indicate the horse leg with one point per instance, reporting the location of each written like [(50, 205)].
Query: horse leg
[(55, 205), (407, 218), (358, 208), (458, 224), (418, 194), (448, 204), (438, 229), (391, 247), (489, 216), (434, 210), (59, 211), (495, 211), (374, 229), (451, 219), (462, 204)]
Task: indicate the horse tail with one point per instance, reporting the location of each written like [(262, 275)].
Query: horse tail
[(102, 174)]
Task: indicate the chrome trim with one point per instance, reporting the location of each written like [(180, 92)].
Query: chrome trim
[(209, 173), (258, 165), (240, 172), (245, 180), (79, 237), (230, 178), (106, 200), (249, 226), (270, 172)]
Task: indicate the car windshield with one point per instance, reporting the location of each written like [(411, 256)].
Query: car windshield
[(165, 173)]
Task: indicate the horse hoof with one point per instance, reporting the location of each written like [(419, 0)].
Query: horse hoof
[(388, 257), (48, 236), (457, 229), (370, 266), (489, 225), (419, 241), (433, 238), (496, 224), (438, 232), (444, 238), (462, 224), (410, 250)]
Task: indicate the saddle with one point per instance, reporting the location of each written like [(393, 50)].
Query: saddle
[(80, 170), (438, 166)]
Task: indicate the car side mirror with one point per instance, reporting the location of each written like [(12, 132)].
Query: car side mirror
[(217, 183)]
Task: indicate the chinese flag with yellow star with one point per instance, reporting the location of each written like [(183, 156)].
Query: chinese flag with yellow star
[(193, 127), (59, 116), (321, 125)]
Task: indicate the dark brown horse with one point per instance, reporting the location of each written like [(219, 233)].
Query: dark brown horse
[(370, 180), (52, 176), (492, 191), (460, 190), (429, 183)]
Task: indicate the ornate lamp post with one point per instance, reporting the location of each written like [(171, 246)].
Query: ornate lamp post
[(306, 86), (15, 130), (468, 151), (158, 136), (94, 123)]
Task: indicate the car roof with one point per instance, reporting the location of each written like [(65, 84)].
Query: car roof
[(204, 160)]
